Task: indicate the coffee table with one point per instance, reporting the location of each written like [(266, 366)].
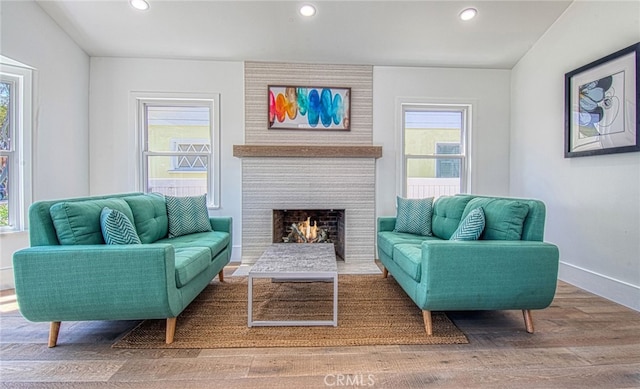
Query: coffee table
[(296, 262)]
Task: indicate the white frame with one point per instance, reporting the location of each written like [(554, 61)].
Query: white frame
[(20, 154), (465, 139), (142, 99)]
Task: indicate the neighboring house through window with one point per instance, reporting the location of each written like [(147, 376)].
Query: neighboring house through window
[(15, 144), (179, 144), (434, 149)]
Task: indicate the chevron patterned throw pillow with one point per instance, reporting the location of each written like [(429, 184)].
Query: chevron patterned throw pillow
[(117, 228), (187, 215), (471, 227), (414, 216)]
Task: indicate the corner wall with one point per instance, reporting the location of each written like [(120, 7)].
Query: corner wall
[(593, 206), (61, 111)]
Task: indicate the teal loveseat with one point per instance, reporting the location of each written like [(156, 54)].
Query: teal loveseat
[(507, 267), (69, 274)]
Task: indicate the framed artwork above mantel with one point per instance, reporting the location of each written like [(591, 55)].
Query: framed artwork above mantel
[(309, 108), (602, 115)]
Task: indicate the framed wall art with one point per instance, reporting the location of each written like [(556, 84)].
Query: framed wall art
[(601, 105), (309, 108)]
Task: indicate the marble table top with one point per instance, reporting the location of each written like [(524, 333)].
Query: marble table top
[(296, 259)]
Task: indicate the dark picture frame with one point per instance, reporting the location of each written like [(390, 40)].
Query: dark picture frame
[(602, 115), (309, 108)]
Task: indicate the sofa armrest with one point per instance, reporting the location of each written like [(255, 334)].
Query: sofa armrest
[(489, 274), (386, 223), (221, 223), (96, 282)]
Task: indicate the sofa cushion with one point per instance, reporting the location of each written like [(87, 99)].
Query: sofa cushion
[(187, 215), (414, 216), (471, 226), (388, 239), (117, 228), (78, 222), (190, 261), (447, 214), (504, 218), (409, 258), (215, 241), (150, 216)]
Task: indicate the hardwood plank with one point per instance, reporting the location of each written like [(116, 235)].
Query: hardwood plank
[(58, 371), (189, 369)]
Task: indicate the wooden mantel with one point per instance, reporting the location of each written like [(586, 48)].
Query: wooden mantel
[(307, 151)]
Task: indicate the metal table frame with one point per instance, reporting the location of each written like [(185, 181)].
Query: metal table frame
[(284, 271)]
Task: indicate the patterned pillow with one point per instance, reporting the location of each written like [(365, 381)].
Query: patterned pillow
[(187, 215), (117, 228), (471, 227), (414, 216)]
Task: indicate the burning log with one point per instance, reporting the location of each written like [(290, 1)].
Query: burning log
[(304, 232)]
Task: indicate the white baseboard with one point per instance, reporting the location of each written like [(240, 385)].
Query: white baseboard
[(236, 253), (6, 278), (610, 288)]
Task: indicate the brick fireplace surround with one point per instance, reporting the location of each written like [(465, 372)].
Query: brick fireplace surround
[(290, 169)]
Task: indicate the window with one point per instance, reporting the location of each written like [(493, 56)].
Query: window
[(180, 147), (434, 149), (15, 130)]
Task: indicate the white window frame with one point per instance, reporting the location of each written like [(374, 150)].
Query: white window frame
[(466, 108), (212, 100), (21, 78)]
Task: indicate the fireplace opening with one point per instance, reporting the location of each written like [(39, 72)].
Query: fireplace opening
[(329, 222)]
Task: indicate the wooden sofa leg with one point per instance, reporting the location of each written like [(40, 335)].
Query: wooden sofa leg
[(428, 325), (221, 275), (54, 330), (528, 320), (385, 272), (171, 329)]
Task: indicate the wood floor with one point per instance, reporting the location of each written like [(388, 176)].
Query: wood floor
[(581, 341)]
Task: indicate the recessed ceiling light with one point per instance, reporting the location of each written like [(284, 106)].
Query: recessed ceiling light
[(468, 14), (307, 10), (142, 5)]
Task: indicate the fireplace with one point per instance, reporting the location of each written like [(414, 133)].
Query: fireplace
[(331, 221)]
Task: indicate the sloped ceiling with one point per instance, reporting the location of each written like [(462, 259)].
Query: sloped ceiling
[(400, 33)]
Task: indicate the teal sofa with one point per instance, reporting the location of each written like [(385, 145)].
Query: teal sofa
[(69, 274), (508, 267)]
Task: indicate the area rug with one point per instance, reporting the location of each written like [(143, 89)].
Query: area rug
[(372, 310)]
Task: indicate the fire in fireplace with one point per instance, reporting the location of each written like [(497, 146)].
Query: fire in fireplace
[(310, 226), (304, 232)]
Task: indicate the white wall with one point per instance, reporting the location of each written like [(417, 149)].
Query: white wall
[(60, 136), (487, 90), (113, 139), (593, 203)]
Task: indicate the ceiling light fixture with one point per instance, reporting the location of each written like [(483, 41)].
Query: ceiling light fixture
[(307, 10), (468, 14), (142, 5)]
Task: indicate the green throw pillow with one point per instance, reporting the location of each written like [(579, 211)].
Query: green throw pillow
[(414, 216), (117, 228), (187, 215), (471, 227), (504, 218), (78, 222)]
